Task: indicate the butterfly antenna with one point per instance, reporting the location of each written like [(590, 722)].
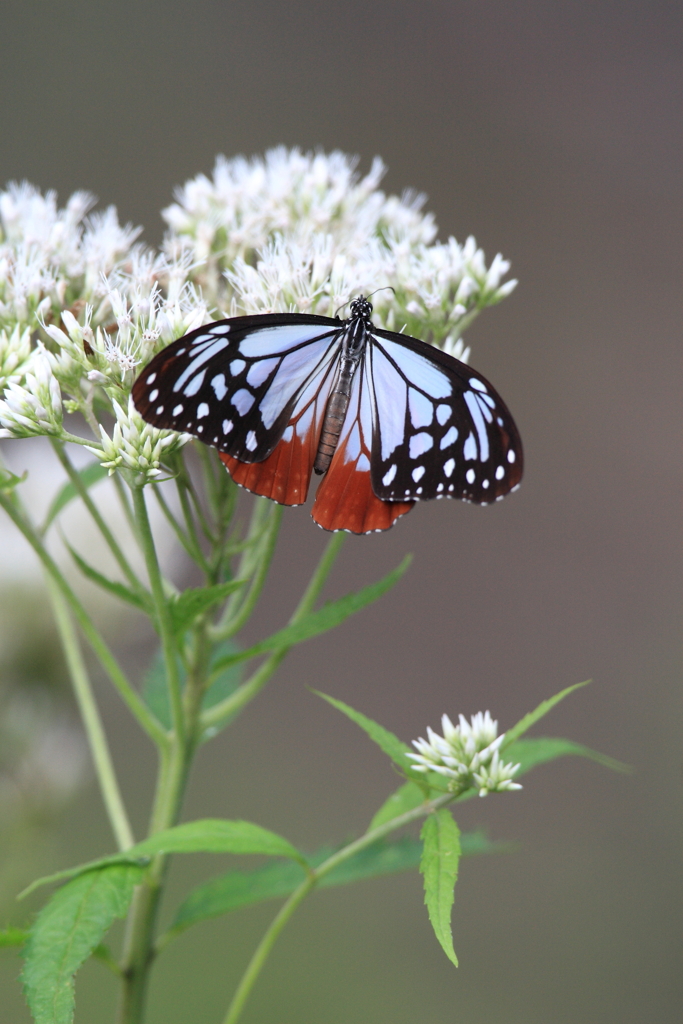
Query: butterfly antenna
[(384, 288)]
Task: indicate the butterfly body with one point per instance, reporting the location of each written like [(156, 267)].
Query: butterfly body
[(386, 419)]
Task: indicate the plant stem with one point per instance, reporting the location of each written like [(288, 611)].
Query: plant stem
[(286, 911), (92, 508), (138, 943), (226, 709), (92, 723), (136, 705), (162, 611)]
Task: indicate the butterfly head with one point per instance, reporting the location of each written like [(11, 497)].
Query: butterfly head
[(361, 308)]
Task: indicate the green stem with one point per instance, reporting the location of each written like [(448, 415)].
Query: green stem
[(216, 716), (109, 537), (258, 559), (162, 611), (263, 949), (187, 540), (266, 944), (138, 951), (92, 723), (133, 701)]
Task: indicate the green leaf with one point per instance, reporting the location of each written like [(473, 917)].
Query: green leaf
[(208, 835), (192, 603), (236, 889), (9, 480), (539, 750), (89, 476), (391, 745), (119, 590), (406, 798), (330, 615), (439, 867), (155, 687), (13, 937), (216, 835), (543, 708), (66, 932)]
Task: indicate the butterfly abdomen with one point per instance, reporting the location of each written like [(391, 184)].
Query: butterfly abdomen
[(335, 414)]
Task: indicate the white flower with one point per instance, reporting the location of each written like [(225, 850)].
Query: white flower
[(34, 407), (136, 446), (467, 754), (15, 351)]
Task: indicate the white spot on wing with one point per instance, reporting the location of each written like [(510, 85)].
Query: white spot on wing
[(420, 443), (511, 456), (363, 464), (227, 426), (389, 475), (470, 449), (199, 360), (177, 410), (153, 394), (443, 413), (391, 393), (448, 468), (243, 401), (421, 409), (251, 441), (194, 385), (269, 340), (418, 473), (449, 438), (202, 410), (218, 385), (236, 366), (288, 434), (152, 377), (424, 374), (260, 371), (220, 329), (480, 426), (500, 472), (469, 476), (160, 409), (474, 383)]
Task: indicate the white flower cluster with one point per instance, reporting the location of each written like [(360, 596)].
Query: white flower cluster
[(304, 232), (52, 258), (83, 306), (467, 755)]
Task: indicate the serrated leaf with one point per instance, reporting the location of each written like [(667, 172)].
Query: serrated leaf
[(439, 867), (208, 835), (194, 601), (236, 889), (543, 708), (541, 749), (328, 617), (391, 745), (89, 476), (155, 688), (216, 835), (66, 932), (119, 590)]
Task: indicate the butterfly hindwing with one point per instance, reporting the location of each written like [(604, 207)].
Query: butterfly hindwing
[(441, 430), (346, 498), (285, 474), (235, 383)]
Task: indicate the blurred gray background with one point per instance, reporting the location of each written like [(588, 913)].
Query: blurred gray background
[(552, 131)]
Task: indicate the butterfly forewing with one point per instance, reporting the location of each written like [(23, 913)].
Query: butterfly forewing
[(440, 429), (236, 384)]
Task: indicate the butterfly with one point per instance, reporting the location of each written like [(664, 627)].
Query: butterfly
[(386, 419)]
